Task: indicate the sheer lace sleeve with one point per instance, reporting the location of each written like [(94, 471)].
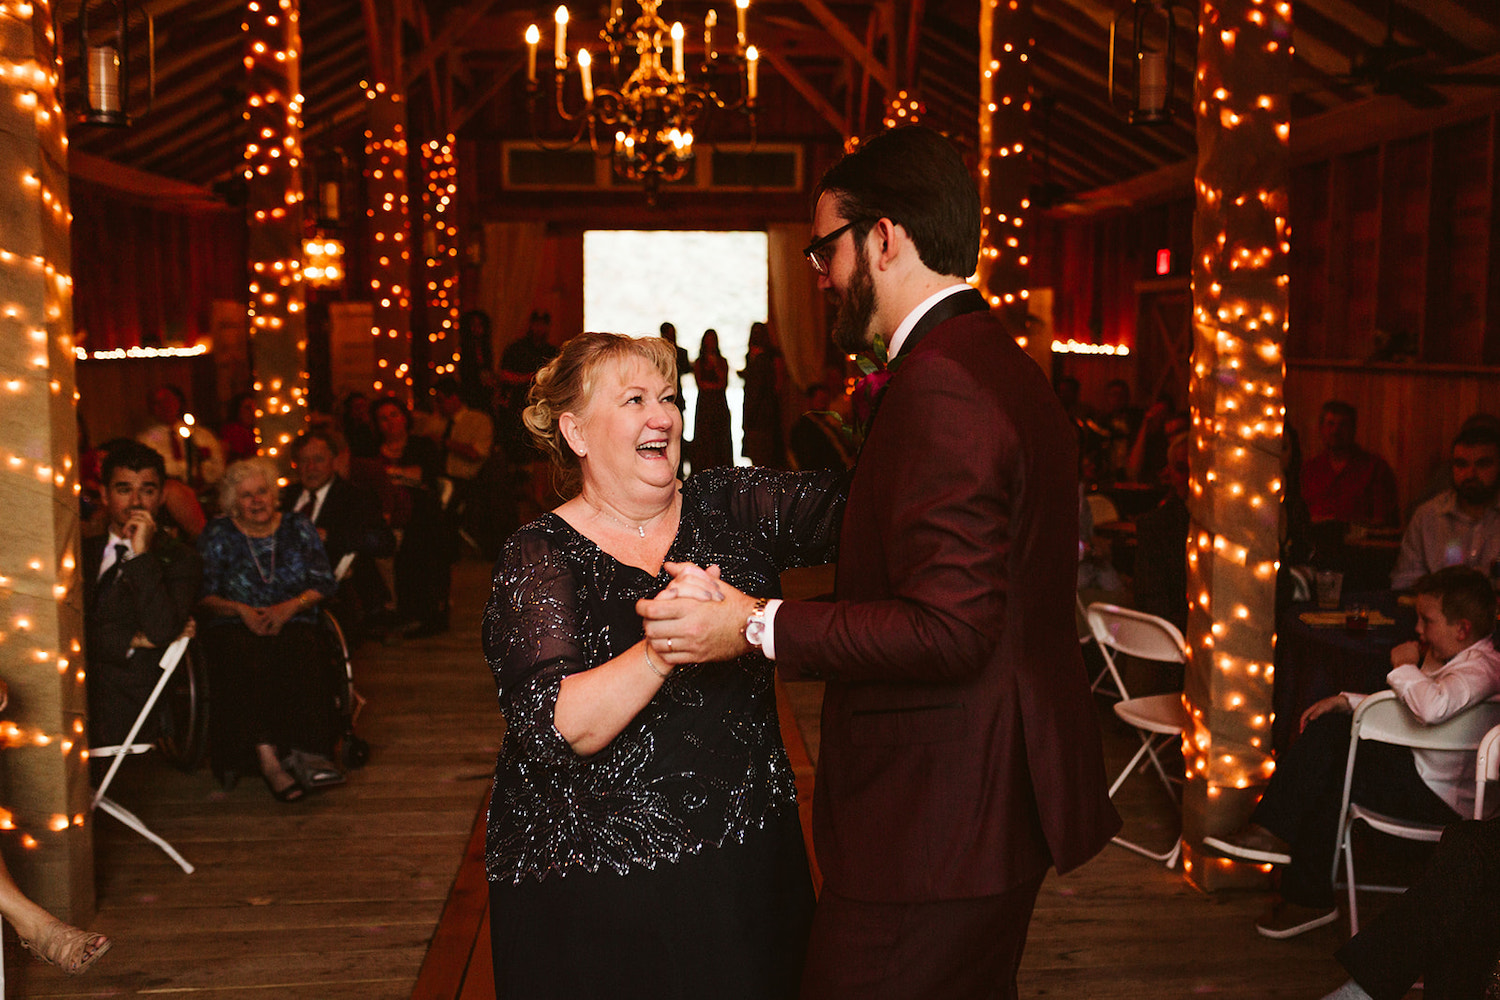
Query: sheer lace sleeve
[(531, 640), (793, 517)]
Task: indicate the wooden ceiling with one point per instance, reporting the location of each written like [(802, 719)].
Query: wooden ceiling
[(828, 70)]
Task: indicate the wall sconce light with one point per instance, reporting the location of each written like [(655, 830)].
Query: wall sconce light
[(1154, 44), (104, 51)]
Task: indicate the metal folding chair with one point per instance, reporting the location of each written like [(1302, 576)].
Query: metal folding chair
[(169, 662), (1383, 717), (1159, 718)]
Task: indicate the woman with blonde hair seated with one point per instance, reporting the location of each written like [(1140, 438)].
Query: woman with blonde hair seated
[(264, 573)]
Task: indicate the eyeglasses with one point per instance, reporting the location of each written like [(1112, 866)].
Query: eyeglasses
[(820, 258)]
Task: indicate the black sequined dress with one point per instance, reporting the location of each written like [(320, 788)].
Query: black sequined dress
[(670, 863)]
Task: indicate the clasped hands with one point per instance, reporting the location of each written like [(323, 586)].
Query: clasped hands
[(268, 620), (697, 618)]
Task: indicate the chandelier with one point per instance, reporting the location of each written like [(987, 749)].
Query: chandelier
[(645, 122)]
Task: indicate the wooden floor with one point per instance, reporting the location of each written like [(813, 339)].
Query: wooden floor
[(332, 898), (341, 897)]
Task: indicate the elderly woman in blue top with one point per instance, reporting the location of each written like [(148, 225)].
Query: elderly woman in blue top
[(643, 835), (264, 573)]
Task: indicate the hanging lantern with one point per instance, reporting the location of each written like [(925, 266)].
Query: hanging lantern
[(1154, 48), (104, 51)]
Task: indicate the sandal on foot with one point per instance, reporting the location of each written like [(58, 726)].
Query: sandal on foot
[(65, 947)]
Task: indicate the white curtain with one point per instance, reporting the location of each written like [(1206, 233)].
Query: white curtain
[(797, 315), (508, 276)]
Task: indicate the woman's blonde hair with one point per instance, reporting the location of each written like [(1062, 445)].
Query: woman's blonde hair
[(566, 383), (239, 473)]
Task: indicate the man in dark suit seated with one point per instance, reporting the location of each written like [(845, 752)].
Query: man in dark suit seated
[(348, 519), (139, 588)]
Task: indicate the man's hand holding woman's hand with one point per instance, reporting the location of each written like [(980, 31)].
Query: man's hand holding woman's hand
[(697, 618)]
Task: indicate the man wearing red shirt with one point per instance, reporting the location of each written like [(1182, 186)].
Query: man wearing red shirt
[(1345, 482)]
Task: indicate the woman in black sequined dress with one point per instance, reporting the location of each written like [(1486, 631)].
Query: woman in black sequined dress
[(643, 836)]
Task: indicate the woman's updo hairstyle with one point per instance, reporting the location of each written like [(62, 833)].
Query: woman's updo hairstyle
[(566, 385)]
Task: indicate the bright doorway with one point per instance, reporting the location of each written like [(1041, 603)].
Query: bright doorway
[(633, 281)]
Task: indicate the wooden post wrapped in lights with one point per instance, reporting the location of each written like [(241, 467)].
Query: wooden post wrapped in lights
[(440, 252), (1004, 171), (44, 818), (273, 173), (390, 239), (1239, 322)]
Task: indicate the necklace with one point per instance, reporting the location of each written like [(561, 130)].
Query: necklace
[(639, 529), (265, 577)]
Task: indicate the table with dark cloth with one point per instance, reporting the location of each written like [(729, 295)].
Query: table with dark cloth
[(1315, 661)]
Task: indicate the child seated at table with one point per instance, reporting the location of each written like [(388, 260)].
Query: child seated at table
[(1452, 665)]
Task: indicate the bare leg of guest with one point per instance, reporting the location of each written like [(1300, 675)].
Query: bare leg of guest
[(49, 939)]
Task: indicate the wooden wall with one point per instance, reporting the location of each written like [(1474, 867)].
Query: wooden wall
[(1407, 415)]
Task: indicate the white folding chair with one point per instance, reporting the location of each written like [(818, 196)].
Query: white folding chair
[(1159, 718), (342, 569), (1486, 768), (1383, 717), (169, 661), (1096, 627)]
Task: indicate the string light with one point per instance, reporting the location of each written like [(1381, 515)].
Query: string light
[(440, 252), (1239, 322), (39, 595), (278, 293), (1004, 173), (390, 226)]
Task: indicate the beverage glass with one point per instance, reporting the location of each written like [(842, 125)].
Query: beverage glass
[(1330, 587)]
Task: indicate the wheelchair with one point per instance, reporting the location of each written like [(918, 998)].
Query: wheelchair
[(187, 703)]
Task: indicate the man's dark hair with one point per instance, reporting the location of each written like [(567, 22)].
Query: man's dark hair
[(1477, 436), (446, 386), (334, 442), (127, 454), (1339, 408), (916, 178), (1465, 595)]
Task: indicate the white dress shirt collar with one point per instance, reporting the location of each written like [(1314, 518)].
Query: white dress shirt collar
[(899, 337)]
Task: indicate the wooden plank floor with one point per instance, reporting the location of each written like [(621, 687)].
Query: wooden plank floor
[(335, 897), (341, 898)]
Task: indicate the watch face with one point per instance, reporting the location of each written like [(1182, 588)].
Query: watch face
[(755, 632)]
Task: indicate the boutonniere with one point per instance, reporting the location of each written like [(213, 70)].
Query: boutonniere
[(867, 392)]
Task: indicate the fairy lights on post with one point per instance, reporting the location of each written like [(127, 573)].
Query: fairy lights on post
[(1239, 324), (1004, 174), (390, 239), (273, 174), (44, 824), (440, 252)]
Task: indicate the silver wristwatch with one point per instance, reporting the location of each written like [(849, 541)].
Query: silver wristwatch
[(755, 625)]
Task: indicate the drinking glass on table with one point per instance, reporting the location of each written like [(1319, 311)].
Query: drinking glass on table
[(1329, 587)]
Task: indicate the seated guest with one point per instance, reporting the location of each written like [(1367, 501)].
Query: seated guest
[(1453, 666), (1444, 930), (1160, 584), (347, 518), (237, 433), (1461, 525), (1148, 455), (1120, 420), (410, 465), (190, 450), (139, 587), (467, 438), (264, 573), (1345, 482)]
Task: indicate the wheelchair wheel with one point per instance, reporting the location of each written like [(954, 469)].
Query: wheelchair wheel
[(185, 715)]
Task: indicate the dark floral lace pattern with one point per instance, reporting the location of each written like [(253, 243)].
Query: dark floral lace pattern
[(703, 763)]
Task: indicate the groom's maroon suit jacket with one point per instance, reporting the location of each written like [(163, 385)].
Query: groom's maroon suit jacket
[(960, 752)]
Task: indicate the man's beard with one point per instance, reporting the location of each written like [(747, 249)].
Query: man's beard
[(851, 327), (1475, 492)]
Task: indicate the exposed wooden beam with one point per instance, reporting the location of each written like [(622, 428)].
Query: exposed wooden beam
[(810, 94), (851, 45), (458, 25), (462, 115), (147, 186)]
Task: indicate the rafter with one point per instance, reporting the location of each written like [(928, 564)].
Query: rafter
[(851, 45), (809, 93)]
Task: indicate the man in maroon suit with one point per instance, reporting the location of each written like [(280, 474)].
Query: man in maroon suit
[(960, 753)]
